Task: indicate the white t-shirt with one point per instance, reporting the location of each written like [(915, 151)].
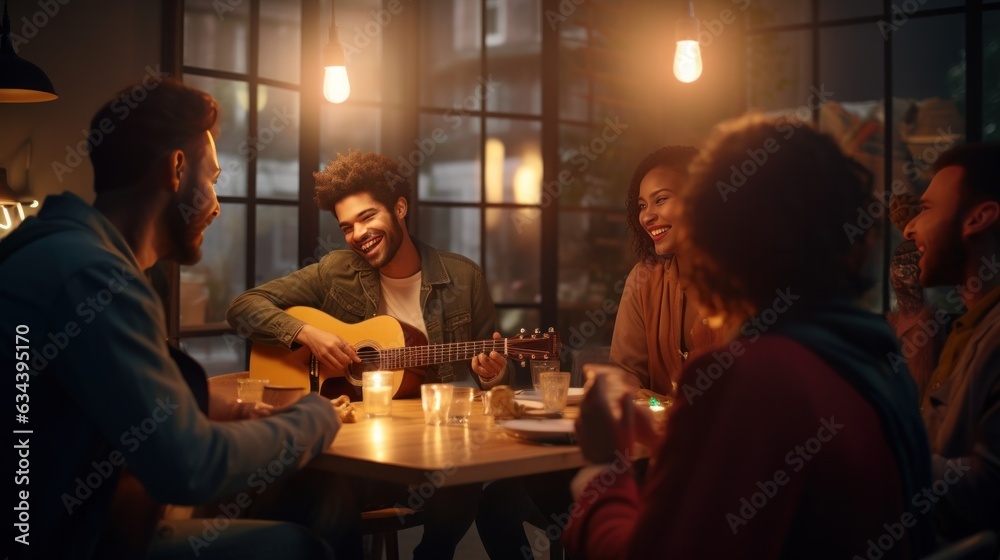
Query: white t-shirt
[(401, 299)]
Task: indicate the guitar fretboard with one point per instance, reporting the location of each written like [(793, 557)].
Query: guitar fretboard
[(418, 356)]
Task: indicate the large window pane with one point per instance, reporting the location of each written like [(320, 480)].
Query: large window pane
[(447, 154), (216, 34), (513, 55), (232, 144), (765, 13), (450, 53), (280, 40), (219, 277), (991, 75), (513, 236), (594, 258), (838, 9), (780, 71), (346, 127), (277, 143), (513, 161), (574, 84), (851, 81), (512, 320), (218, 354), (451, 229), (277, 242), (594, 167)]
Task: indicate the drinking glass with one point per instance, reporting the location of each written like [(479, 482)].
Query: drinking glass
[(461, 405), (436, 400), (555, 389), (538, 366)]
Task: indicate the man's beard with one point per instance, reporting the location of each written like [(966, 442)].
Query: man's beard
[(391, 240), (184, 242), (948, 264)]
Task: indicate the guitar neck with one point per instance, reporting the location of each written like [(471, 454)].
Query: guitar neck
[(419, 356)]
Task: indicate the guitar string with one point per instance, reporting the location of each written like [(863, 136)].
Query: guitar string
[(432, 352)]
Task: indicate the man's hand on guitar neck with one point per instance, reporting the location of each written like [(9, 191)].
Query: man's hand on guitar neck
[(331, 350), (489, 366)]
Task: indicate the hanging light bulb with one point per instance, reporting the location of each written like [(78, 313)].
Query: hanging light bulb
[(687, 57), (336, 86)]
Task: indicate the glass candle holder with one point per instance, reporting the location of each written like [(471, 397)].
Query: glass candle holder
[(376, 393)]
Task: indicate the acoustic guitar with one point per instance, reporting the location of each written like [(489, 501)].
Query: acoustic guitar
[(382, 343)]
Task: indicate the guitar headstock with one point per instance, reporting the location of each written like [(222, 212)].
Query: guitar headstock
[(534, 346)]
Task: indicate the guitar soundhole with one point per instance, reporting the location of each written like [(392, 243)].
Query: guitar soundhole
[(369, 362)]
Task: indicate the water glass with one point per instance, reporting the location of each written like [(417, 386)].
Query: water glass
[(376, 393), (250, 390), (555, 389), (461, 405), (436, 400), (538, 366)]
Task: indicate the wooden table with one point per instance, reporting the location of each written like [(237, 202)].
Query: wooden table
[(405, 450)]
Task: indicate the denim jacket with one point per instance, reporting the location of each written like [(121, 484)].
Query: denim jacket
[(454, 298)]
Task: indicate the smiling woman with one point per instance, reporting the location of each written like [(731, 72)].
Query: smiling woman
[(658, 326)]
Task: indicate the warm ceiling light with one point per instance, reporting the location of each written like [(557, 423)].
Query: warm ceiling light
[(336, 86), (20, 80), (687, 57)]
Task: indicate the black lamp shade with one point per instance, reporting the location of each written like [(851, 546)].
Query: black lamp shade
[(20, 80)]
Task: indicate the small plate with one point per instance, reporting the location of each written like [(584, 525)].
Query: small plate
[(541, 431), (574, 396)]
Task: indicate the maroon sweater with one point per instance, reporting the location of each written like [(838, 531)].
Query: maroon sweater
[(777, 457)]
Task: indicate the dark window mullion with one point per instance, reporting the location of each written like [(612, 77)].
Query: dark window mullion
[(252, 125), (483, 71)]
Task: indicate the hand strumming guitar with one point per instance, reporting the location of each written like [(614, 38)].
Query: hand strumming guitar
[(331, 350)]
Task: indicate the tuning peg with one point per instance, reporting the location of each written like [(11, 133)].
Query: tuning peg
[(551, 330), (538, 330), (522, 330)]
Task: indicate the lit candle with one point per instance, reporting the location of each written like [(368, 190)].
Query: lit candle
[(376, 390)]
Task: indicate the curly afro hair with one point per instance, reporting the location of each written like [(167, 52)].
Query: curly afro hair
[(767, 207), (359, 172)]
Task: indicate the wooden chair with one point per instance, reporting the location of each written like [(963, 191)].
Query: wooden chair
[(384, 526), (980, 546)]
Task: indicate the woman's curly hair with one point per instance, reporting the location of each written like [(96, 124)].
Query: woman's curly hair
[(770, 205), (676, 158), (359, 172)]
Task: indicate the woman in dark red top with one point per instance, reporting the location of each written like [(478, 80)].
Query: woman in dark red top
[(796, 439)]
